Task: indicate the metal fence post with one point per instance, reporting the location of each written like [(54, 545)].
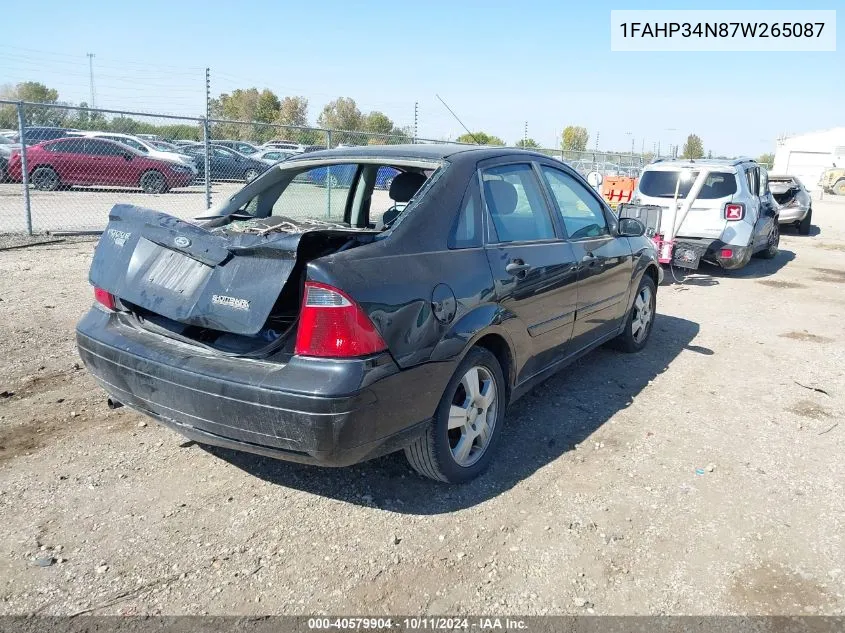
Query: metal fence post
[(328, 178), (24, 170), (205, 138)]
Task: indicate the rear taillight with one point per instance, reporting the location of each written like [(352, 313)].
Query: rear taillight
[(734, 211), (104, 298), (331, 325), (726, 253)]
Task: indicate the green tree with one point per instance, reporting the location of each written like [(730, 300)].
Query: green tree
[(574, 138), (33, 92), (378, 123), (528, 143), (293, 111), (267, 107), (766, 159), (693, 148), (341, 114), (480, 138)]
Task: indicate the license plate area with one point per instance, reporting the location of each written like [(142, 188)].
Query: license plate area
[(173, 271), (686, 256)]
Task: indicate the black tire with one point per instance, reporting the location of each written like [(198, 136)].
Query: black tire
[(153, 181), (45, 179), (631, 340), (839, 187), (251, 174), (431, 454), (388, 183), (771, 251), (805, 224), (332, 181)]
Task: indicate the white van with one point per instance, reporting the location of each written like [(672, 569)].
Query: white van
[(733, 216)]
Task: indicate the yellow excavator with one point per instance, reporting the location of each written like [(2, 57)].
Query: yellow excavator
[(833, 180)]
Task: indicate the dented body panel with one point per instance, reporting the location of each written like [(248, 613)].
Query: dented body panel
[(429, 302)]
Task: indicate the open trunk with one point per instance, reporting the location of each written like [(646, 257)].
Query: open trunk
[(783, 191), (233, 285)]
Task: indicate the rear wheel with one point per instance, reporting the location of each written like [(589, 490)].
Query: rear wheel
[(459, 442), (153, 182), (839, 187), (45, 179), (250, 175), (805, 224), (332, 181), (640, 319), (771, 250)]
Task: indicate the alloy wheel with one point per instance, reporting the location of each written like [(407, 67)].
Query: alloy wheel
[(472, 416), (643, 314)]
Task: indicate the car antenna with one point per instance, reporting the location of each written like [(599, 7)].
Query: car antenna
[(458, 120)]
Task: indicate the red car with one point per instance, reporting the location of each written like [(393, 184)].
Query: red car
[(95, 161)]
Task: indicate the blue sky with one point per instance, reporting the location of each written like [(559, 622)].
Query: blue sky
[(497, 64)]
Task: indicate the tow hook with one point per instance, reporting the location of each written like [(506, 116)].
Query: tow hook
[(113, 404)]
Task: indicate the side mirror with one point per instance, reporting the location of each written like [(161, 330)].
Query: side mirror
[(630, 227)]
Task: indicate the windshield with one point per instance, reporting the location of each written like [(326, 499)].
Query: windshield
[(662, 183)]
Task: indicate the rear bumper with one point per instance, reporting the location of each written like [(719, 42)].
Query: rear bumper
[(788, 215), (325, 412), (713, 252)]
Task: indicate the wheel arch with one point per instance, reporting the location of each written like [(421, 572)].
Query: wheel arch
[(483, 327)]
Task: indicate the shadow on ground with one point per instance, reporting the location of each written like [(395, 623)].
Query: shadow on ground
[(709, 275), (539, 428)]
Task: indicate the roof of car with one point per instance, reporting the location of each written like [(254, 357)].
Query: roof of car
[(422, 151)]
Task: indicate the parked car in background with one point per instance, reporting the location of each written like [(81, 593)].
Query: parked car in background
[(278, 335), (225, 164), (796, 205), (733, 217), (91, 161), (285, 144), (273, 155), (344, 175), (37, 134), (7, 146), (142, 146), (181, 142), (242, 147), (149, 137)]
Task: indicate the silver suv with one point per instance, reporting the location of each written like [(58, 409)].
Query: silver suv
[(731, 217)]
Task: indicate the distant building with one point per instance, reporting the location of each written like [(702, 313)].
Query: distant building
[(808, 155)]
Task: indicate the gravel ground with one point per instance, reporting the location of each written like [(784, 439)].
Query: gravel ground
[(701, 476)]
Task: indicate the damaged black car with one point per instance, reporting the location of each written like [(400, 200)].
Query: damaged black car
[(330, 325)]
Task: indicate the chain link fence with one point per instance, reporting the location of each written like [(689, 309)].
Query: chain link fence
[(62, 168)]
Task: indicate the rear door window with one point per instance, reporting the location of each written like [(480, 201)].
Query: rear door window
[(515, 204), (70, 146), (658, 183)]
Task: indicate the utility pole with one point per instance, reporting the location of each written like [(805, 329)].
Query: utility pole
[(525, 136), (91, 77), (416, 119), (206, 133)]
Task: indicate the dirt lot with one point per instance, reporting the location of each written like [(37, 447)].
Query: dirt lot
[(702, 476)]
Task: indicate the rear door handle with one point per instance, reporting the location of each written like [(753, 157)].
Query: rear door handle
[(517, 267), (589, 259)]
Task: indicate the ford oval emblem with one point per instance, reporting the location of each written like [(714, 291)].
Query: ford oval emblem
[(182, 242)]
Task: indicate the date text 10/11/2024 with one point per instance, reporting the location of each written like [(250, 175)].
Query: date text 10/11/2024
[(481, 624)]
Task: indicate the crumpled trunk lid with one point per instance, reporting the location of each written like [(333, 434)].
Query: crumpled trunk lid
[(218, 279)]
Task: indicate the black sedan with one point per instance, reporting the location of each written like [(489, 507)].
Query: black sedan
[(225, 163), (329, 326)]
